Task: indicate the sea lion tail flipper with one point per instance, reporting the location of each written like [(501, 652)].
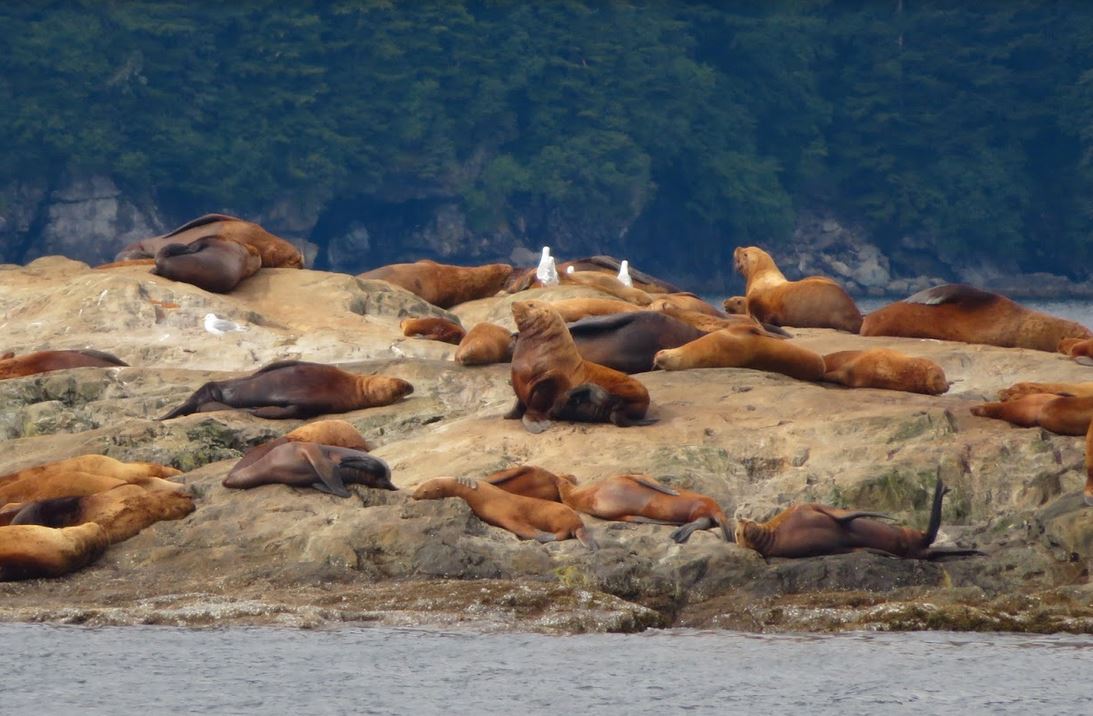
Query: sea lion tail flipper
[(775, 330), (208, 393), (935, 513), (653, 484), (940, 554), (726, 532), (535, 426), (330, 480), (844, 518), (683, 533), (544, 537), (517, 411), (585, 537), (624, 421), (1083, 360)]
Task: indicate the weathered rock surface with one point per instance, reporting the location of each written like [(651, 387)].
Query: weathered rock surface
[(754, 441)]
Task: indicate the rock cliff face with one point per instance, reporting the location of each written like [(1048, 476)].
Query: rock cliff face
[(754, 441)]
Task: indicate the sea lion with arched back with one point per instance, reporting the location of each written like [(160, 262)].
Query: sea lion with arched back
[(14, 366), (337, 433), (628, 341), (886, 369), (1062, 414), (210, 263), (552, 380), (530, 481), (812, 302), (433, 328), (640, 498), (525, 517), (444, 285), (484, 344), (32, 551), (275, 251), (956, 312), (295, 389), (325, 467), (744, 347)]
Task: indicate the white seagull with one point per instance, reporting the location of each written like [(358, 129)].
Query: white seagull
[(624, 273), (547, 273), (220, 326)]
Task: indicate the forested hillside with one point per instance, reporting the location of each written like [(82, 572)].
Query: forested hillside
[(681, 126)]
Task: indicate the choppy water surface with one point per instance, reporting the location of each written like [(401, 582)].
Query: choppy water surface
[(123, 670)]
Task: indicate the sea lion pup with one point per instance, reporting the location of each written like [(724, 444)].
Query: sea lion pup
[(744, 347), (337, 433), (443, 285), (486, 343), (574, 309), (736, 305), (956, 312), (30, 551), (122, 511), (1062, 414), (708, 324), (212, 263), (810, 530), (433, 328), (551, 380), (1018, 390), (628, 341), (275, 251), (295, 389), (45, 361), (525, 517), (530, 481), (325, 467), (812, 302), (640, 498), (608, 284), (1080, 349), (887, 369)]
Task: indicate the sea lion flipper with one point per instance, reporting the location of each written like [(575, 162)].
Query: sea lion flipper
[(544, 537), (585, 537), (851, 516), (652, 484), (937, 554), (625, 421), (535, 426), (327, 471), (683, 533), (517, 411)]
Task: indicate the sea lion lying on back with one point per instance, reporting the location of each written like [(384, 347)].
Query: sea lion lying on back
[(210, 263), (443, 285), (13, 366), (324, 467), (275, 251)]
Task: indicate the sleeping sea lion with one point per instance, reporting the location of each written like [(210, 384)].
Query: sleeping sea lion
[(433, 328), (275, 251), (324, 467), (1080, 349), (708, 323), (484, 344), (1018, 390), (337, 433), (574, 309), (608, 284), (886, 369), (530, 481), (1062, 414), (14, 366), (744, 347), (31, 551), (628, 341), (444, 285), (210, 263), (95, 465)]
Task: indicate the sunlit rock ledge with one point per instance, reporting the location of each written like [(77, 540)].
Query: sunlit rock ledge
[(754, 441)]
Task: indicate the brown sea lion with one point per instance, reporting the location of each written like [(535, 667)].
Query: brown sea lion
[(640, 498), (210, 263), (1080, 349), (708, 324), (324, 467), (744, 347), (295, 389), (689, 302), (608, 284), (736, 305), (433, 328), (887, 369), (525, 517), (45, 361), (810, 530), (530, 481), (574, 309), (1062, 414), (444, 285), (611, 265), (812, 302), (955, 312), (47, 486), (628, 341), (1018, 390), (122, 511), (337, 433), (551, 380), (486, 343), (275, 251), (31, 551), (94, 465)]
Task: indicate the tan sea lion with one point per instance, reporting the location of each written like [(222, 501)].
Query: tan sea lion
[(812, 302), (295, 389), (1018, 390), (640, 498), (744, 347), (1062, 414), (956, 312), (736, 305), (444, 285), (94, 465), (31, 551), (324, 467), (628, 341), (887, 369), (574, 309), (337, 433), (211, 263), (708, 324), (433, 328), (608, 284), (530, 481), (486, 343), (275, 251), (47, 486), (525, 517), (810, 530), (611, 266), (1080, 349), (15, 366), (551, 380), (689, 302)]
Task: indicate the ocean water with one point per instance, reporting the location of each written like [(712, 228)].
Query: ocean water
[(156, 670)]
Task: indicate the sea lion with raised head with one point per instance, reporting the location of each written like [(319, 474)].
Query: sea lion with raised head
[(210, 263), (433, 328), (443, 285), (628, 341), (530, 481), (14, 366), (31, 551), (744, 347), (295, 389), (324, 467), (484, 344), (525, 517), (275, 251), (886, 369)]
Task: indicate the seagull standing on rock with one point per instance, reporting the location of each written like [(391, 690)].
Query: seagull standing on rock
[(220, 326), (547, 273), (624, 274)]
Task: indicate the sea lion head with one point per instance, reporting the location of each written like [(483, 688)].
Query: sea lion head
[(535, 316), (667, 359), (363, 469), (736, 305), (434, 489), (936, 382), (385, 389), (749, 259), (748, 534)]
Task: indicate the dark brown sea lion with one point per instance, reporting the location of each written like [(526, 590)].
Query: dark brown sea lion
[(31, 551), (551, 380), (810, 530), (210, 263), (640, 498), (275, 251), (1062, 414), (324, 467), (744, 347), (486, 343), (628, 341), (887, 369), (955, 312), (444, 285), (295, 389), (433, 328), (1080, 349), (525, 517), (812, 302), (337, 433), (530, 481), (45, 361)]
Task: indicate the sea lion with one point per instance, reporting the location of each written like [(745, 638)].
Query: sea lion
[(94, 465), (551, 380), (433, 328), (211, 263), (444, 285), (956, 312), (689, 302), (608, 284), (812, 302), (1062, 414), (887, 369), (810, 530), (628, 341), (1018, 390), (640, 498), (150, 261), (574, 309), (15, 366), (530, 481), (275, 251), (744, 347), (47, 486), (30, 551), (611, 265), (295, 389), (486, 343), (337, 433), (708, 324), (525, 517), (1080, 349), (736, 305), (122, 511), (324, 467)]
